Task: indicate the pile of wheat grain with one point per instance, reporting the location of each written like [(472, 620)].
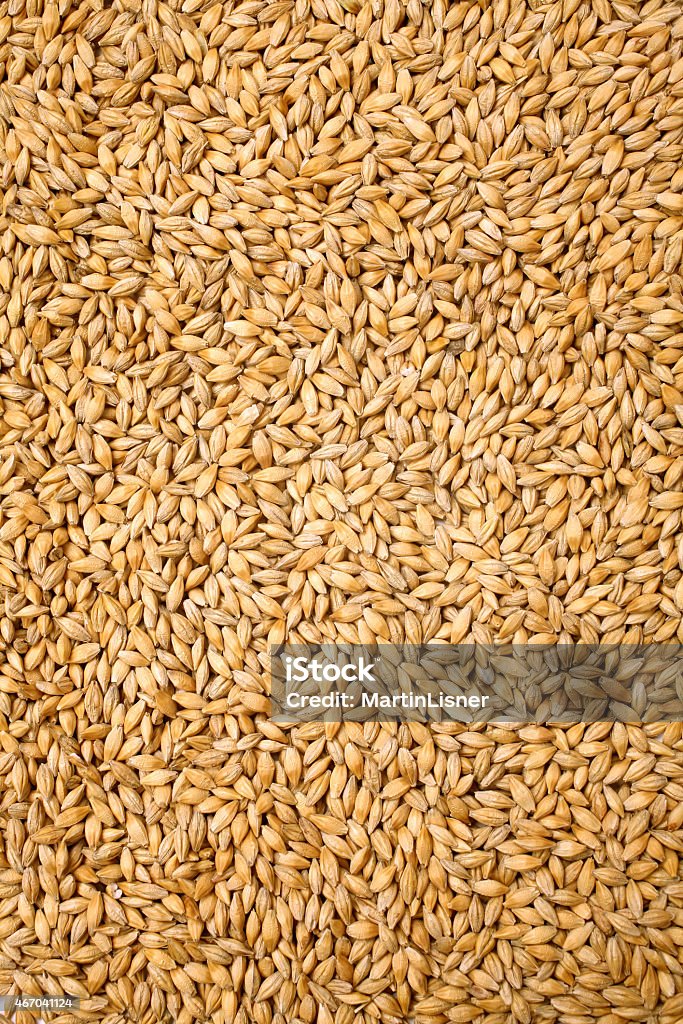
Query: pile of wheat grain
[(335, 320)]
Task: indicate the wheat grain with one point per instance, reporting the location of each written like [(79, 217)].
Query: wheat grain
[(335, 321)]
